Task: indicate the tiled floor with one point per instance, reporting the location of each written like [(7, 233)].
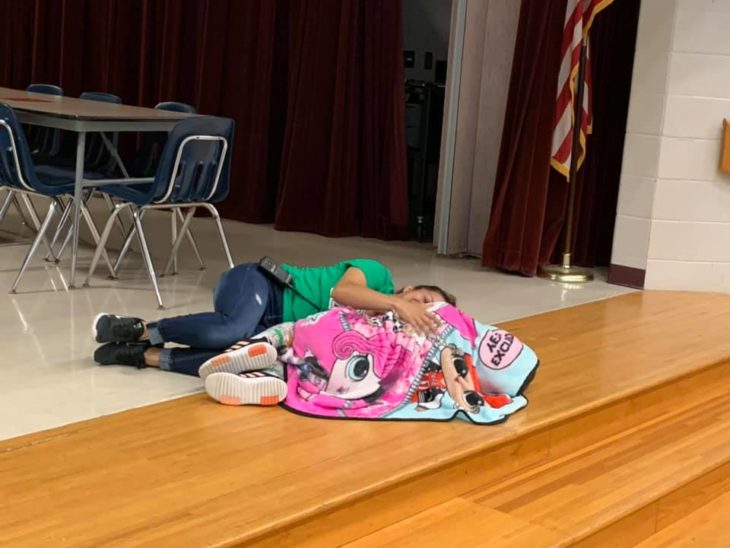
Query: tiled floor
[(45, 340)]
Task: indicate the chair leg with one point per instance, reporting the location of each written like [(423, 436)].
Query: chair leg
[(66, 240), (221, 233), (127, 241), (36, 222), (103, 239), (95, 234), (62, 224), (59, 229), (39, 237), (110, 204), (192, 241), (173, 236), (125, 247), (179, 239), (30, 208), (147, 257), (21, 212), (6, 204)]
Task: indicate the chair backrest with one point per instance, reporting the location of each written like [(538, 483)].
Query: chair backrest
[(43, 140), (175, 106), (195, 162), (101, 96), (16, 164), (97, 156), (152, 142), (48, 89)]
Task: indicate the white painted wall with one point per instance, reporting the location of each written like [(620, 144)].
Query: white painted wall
[(674, 204)]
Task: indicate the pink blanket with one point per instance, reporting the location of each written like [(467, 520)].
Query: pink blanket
[(346, 364)]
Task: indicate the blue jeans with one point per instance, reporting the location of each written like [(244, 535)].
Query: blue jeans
[(245, 303)]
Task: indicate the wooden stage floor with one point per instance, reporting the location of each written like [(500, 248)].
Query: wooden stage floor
[(191, 472)]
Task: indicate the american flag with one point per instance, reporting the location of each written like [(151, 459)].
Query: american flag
[(579, 15)]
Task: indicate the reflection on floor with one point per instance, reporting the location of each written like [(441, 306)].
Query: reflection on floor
[(49, 378)]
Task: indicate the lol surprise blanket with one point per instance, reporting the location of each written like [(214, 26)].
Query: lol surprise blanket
[(345, 364)]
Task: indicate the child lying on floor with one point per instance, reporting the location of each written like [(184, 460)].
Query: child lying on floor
[(348, 364)]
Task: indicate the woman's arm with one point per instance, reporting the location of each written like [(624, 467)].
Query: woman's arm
[(352, 290)]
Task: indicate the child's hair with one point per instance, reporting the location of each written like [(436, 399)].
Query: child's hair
[(448, 297)]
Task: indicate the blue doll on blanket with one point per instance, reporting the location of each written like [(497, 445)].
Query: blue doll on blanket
[(347, 364)]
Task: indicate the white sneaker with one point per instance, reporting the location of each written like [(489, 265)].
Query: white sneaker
[(252, 388), (240, 357)]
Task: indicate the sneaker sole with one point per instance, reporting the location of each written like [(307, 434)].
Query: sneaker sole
[(230, 389), (249, 358)]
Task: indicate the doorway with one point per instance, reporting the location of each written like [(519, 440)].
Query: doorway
[(426, 29), (481, 48)]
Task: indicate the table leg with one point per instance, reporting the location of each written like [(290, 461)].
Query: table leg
[(78, 197)]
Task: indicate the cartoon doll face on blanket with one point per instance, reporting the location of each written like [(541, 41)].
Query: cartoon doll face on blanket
[(353, 378), (461, 379), (455, 373), (355, 372)]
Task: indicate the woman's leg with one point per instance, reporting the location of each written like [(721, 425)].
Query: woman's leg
[(208, 333), (178, 360), (189, 360), (241, 300)]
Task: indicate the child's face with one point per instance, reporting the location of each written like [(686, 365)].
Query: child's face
[(423, 296)]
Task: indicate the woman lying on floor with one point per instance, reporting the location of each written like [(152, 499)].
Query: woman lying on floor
[(348, 364), (247, 301)]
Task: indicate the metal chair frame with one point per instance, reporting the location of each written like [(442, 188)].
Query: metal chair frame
[(176, 209), (25, 192)]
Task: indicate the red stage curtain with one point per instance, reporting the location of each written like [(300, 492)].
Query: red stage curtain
[(344, 152), (529, 205), (315, 87), (515, 234)]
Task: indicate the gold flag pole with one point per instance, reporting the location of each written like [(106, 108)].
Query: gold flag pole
[(566, 272)]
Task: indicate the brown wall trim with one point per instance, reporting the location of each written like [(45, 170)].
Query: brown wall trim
[(627, 276)]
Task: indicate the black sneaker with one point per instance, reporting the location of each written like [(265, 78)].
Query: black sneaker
[(112, 328), (121, 354)]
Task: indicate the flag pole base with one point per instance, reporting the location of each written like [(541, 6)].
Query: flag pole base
[(565, 273), (569, 275)]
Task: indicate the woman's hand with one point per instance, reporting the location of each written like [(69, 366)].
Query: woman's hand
[(417, 315)]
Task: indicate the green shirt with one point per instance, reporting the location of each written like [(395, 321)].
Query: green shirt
[(317, 284)]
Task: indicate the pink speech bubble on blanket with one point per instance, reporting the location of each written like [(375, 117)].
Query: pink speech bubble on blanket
[(499, 349)]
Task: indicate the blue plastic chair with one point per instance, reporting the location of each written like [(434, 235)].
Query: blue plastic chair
[(49, 89), (101, 96), (151, 143), (19, 174), (42, 140), (176, 106), (98, 157), (145, 165), (193, 172)]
